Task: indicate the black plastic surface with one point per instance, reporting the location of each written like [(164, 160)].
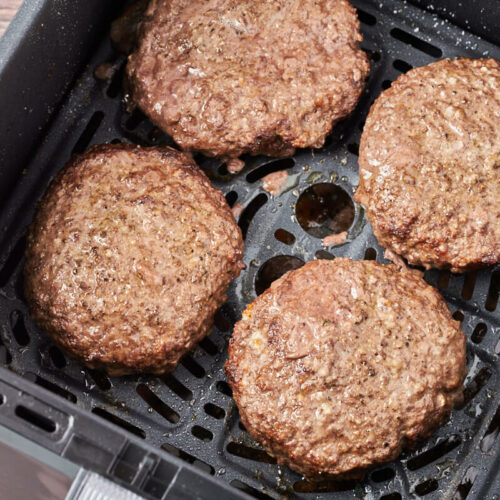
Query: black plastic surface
[(477, 16), (40, 55), (190, 413), (86, 440)]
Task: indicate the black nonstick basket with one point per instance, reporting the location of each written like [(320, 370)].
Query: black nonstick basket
[(179, 436)]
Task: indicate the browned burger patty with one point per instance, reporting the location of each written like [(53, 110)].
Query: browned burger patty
[(129, 256), (429, 165), (340, 364), (227, 77)]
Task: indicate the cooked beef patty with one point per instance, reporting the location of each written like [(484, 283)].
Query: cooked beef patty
[(340, 364), (129, 256), (430, 165), (227, 77)]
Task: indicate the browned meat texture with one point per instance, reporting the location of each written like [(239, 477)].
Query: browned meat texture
[(429, 165), (129, 256), (340, 364), (227, 77)]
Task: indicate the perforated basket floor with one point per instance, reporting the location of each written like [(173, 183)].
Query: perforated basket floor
[(190, 412)]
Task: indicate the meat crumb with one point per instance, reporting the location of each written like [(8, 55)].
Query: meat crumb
[(234, 165), (334, 239), (400, 263), (104, 71), (273, 183), (237, 209)]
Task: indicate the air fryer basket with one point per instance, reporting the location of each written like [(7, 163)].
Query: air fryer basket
[(190, 413)]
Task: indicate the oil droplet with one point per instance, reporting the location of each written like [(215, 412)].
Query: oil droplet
[(343, 162), (344, 178), (334, 176)]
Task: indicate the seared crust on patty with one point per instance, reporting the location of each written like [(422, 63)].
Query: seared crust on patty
[(341, 364), (129, 256), (430, 165), (227, 77)]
